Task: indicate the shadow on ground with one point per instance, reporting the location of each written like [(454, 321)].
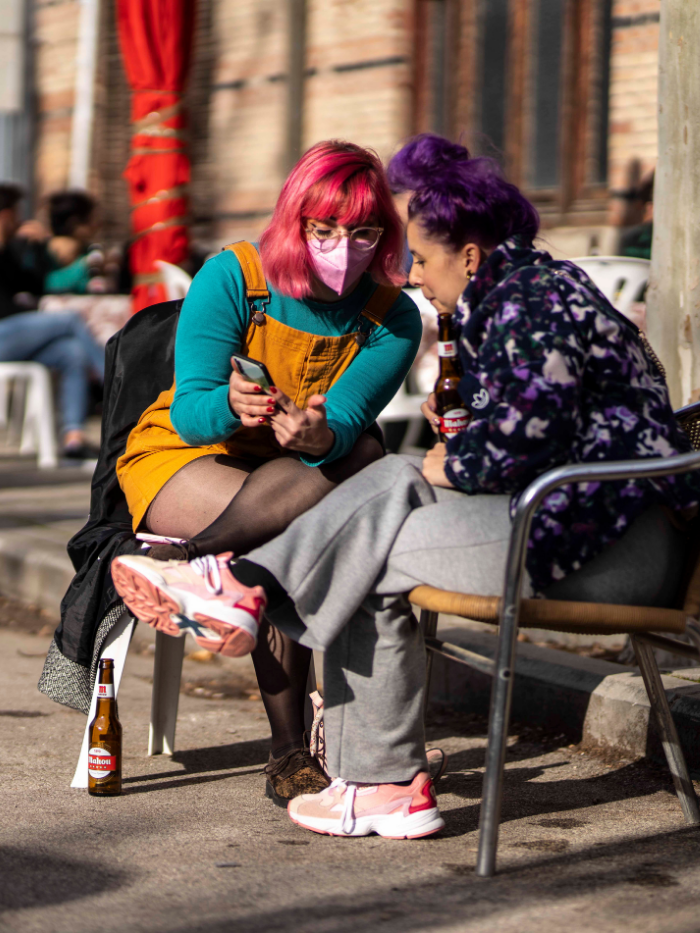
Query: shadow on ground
[(204, 765), (35, 878), (653, 863)]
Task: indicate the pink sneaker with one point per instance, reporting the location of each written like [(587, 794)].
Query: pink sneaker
[(390, 810), (200, 596)]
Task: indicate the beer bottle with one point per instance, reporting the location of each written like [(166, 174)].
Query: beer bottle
[(105, 751), (451, 410)]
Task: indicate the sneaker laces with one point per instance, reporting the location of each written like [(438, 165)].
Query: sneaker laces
[(208, 568), (347, 820)]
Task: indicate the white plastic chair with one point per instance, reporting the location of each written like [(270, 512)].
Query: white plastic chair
[(176, 281), (165, 697), (620, 278), (167, 670), (37, 414), (405, 405)]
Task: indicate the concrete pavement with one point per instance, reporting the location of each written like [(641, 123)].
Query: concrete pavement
[(193, 846), (589, 840)]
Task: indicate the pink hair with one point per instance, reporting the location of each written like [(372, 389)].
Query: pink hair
[(333, 179)]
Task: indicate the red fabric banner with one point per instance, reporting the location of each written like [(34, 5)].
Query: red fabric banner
[(156, 43)]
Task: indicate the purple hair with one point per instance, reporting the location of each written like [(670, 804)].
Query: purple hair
[(471, 201), (414, 165)]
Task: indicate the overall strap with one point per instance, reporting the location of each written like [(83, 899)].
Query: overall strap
[(255, 284), (376, 310), (381, 300)]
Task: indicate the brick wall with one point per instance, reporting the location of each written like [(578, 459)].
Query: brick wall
[(358, 86), (633, 93), (111, 133), (359, 51), (55, 34)]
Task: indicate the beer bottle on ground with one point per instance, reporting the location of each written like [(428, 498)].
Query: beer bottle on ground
[(454, 417), (105, 749)]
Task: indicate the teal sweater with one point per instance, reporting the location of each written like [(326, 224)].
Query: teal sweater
[(213, 323)]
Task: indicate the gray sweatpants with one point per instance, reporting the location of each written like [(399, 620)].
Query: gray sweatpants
[(347, 565)]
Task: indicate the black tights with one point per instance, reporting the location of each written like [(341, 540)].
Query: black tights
[(264, 502)]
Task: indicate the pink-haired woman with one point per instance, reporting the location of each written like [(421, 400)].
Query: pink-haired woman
[(226, 466)]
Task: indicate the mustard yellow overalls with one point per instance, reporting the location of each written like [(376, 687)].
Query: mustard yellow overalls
[(302, 365)]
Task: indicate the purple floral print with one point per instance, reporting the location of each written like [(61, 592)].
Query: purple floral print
[(569, 382)]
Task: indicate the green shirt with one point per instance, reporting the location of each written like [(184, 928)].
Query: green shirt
[(73, 278), (213, 323)]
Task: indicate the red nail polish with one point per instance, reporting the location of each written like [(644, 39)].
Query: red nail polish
[(257, 388), (273, 390), (261, 421), (270, 409)]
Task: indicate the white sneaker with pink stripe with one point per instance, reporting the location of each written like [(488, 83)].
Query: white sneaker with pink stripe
[(391, 810), (200, 596)]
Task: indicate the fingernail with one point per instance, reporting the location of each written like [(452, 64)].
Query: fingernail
[(257, 388), (270, 401), (270, 410), (273, 390), (261, 421)]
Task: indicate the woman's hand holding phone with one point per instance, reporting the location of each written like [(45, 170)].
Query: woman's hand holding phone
[(305, 430), (248, 401)]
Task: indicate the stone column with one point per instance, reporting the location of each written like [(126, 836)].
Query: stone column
[(673, 303)]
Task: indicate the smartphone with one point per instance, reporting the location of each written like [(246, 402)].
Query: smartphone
[(253, 371)]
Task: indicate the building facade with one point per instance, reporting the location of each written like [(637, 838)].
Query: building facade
[(561, 92)]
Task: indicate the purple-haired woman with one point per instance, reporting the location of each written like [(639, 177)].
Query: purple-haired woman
[(415, 165), (553, 374)]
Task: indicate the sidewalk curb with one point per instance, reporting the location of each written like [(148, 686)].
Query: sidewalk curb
[(34, 573), (596, 702)]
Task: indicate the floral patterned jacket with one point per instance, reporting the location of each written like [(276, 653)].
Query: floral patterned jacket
[(553, 375)]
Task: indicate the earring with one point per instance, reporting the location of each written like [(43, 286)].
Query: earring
[(469, 275)]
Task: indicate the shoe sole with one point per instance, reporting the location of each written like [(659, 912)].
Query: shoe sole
[(272, 795), (389, 826), (153, 602)]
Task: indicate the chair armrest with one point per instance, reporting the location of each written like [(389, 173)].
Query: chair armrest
[(687, 411), (562, 476)]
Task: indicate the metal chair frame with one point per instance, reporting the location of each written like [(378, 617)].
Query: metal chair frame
[(510, 610)]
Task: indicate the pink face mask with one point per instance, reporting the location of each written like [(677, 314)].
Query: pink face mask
[(342, 266)]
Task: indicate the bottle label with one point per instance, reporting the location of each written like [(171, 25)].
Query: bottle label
[(101, 763), (105, 691), (447, 348), (454, 421)]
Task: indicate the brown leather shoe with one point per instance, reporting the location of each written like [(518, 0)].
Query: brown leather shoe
[(293, 774)]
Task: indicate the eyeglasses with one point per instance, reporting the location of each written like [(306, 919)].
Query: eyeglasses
[(361, 237)]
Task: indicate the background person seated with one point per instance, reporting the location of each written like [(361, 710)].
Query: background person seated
[(78, 263), (59, 341)]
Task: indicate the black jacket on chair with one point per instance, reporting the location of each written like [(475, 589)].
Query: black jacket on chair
[(139, 365)]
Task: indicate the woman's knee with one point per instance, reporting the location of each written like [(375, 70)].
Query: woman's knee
[(367, 450)]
